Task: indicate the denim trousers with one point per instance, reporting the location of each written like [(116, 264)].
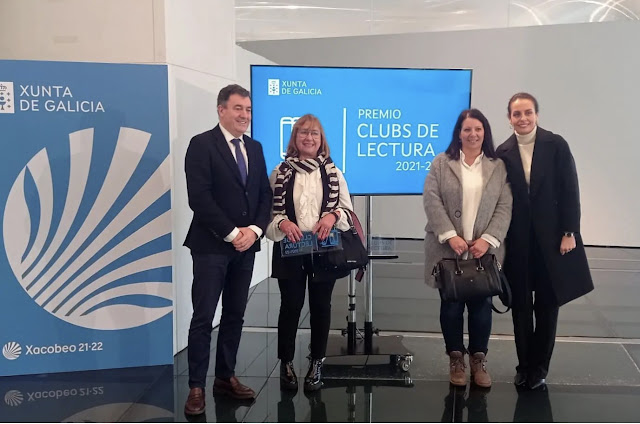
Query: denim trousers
[(479, 325)]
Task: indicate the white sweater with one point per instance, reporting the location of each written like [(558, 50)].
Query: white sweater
[(526, 144)]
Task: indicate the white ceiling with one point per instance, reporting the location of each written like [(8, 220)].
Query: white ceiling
[(287, 19)]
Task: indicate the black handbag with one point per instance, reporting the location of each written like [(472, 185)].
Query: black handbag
[(353, 255), (460, 280)]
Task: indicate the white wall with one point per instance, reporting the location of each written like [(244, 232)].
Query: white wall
[(584, 75), (80, 30)]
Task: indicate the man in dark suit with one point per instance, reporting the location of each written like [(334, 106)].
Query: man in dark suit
[(230, 196)]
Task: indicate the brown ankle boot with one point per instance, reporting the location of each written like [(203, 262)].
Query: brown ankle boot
[(457, 376), (479, 374)]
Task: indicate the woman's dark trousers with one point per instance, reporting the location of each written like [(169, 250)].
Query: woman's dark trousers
[(535, 339), (292, 293)]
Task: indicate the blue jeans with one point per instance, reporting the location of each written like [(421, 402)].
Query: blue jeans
[(479, 325)]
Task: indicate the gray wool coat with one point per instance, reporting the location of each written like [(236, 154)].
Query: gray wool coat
[(442, 199)]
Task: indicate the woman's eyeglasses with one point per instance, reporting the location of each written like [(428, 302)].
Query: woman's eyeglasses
[(304, 133)]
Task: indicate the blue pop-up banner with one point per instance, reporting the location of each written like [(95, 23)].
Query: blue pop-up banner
[(86, 217), (384, 126)]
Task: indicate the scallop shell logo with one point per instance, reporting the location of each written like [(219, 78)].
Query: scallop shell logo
[(90, 241), (11, 351), (13, 398)]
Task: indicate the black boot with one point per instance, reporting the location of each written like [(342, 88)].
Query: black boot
[(313, 380), (537, 380), (520, 380), (288, 377)]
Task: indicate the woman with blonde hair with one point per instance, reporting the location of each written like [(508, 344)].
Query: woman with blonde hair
[(310, 194)]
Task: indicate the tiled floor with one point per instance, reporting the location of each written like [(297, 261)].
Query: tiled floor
[(594, 375)]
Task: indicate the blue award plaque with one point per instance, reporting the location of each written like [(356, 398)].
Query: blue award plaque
[(303, 247), (310, 244), (333, 242)]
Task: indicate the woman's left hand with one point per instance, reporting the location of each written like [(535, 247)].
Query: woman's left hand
[(324, 225), (567, 244), (478, 248)]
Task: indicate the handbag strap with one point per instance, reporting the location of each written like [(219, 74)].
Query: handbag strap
[(325, 197), (459, 271), (507, 290), (350, 221), (356, 229)]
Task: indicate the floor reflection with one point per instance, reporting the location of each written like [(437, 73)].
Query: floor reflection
[(226, 411), (533, 406), (474, 401), (349, 400), (155, 394), (130, 395), (227, 408)]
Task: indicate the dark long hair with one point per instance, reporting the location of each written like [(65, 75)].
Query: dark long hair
[(453, 151)]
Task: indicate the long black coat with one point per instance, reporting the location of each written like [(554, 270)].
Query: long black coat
[(219, 200), (552, 203)]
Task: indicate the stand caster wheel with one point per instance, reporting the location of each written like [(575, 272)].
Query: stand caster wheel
[(404, 362), (404, 365)]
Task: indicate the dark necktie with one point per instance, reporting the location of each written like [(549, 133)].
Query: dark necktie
[(242, 165)]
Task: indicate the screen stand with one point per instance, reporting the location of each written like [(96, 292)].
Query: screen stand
[(360, 342)]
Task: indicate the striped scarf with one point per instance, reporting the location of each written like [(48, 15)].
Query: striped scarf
[(293, 164)]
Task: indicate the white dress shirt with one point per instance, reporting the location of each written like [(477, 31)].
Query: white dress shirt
[(471, 193), (307, 201), (228, 136), (472, 185)]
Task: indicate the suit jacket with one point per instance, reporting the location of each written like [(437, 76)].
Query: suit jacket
[(219, 200), (552, 204), (442, 198)]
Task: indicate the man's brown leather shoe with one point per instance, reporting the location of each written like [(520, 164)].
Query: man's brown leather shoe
[(233, 389), (195, 402)]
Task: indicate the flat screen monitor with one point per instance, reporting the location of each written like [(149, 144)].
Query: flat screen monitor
[(384, 126)]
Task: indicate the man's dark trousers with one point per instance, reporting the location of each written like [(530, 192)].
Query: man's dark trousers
[(213, 274)]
